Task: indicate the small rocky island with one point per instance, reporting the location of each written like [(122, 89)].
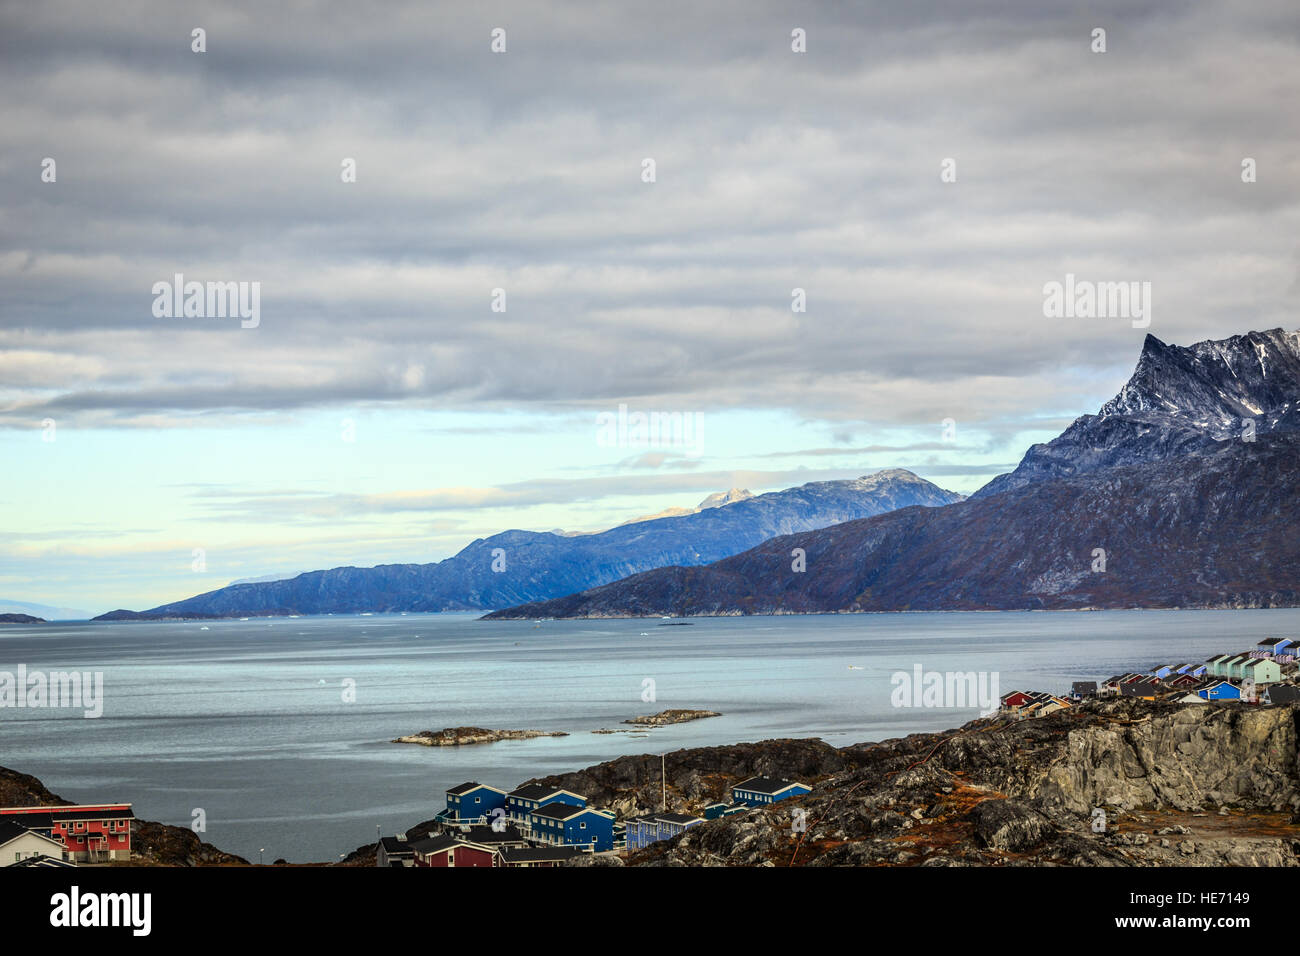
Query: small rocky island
[(671, 717), (463, 736), (21, 619)]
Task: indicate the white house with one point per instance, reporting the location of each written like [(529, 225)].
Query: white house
[(19, 843)]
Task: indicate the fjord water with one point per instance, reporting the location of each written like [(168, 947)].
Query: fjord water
[(247, 720)]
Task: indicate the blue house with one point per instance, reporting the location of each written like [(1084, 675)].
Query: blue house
[(1163, 670), (1282, 646), (640, 832), (760, 791), (1220, 690), (472, 802), (560, 824), (526, 799), (653, 827)]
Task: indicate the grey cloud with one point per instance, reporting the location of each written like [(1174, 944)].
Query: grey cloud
[(521, 171)]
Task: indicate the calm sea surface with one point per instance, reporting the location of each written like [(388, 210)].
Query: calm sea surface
[(246, 719)]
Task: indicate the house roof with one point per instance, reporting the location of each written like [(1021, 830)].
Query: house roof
[(538, 854), (1284, 693), (395, 847), (33, 821), (47, 815), (682, 818), (539, 791), (1273, 641), (32, 862), (471, 786), (486, 836), (434, 844), (767, 785), (11, 830)]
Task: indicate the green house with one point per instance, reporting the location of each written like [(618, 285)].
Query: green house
[(1262, 671)]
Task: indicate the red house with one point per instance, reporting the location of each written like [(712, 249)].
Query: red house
[(447, 851), (91, 833), (1015, 700)]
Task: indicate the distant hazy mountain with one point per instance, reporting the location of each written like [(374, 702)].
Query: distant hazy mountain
[(538, 565), (716, 500), (43, 610), (1160, 500)]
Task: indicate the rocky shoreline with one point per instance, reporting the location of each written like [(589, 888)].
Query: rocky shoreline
[(465, 736), (1108, 782), (671, 716), (1113, 782)]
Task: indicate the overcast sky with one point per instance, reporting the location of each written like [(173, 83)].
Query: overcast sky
[(382, 411)]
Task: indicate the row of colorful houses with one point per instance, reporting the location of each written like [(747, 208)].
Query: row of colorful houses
[(541, 825), (1265, 674), (1032, 703), (547, 815)]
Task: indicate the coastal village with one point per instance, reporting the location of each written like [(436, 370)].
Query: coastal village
[(1267, 674), (539, 825)]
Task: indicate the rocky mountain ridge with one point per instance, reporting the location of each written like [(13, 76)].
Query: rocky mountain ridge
[(1179, 401), (1146, 505), (517, 566)]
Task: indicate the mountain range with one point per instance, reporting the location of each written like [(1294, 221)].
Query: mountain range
[(1178, 402), (1182, 491), (522, 566)]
